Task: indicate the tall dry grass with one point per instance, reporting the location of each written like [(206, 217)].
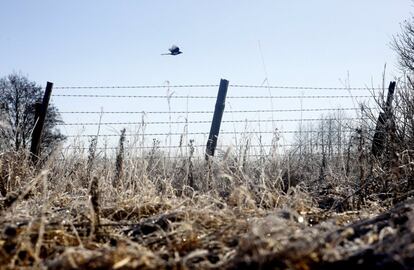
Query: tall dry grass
[(155, 210)]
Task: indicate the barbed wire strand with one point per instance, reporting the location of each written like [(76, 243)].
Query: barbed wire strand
[(207, 97), (303, 87), (216, 85), (203, 145), (138, 86), (209, 112), (206, 121), (351, 130)]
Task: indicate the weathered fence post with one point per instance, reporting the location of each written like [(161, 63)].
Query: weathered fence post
[(39, 122), (383, 123), (218, 114)]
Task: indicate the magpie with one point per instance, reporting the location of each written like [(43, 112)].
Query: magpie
[(174, 50)]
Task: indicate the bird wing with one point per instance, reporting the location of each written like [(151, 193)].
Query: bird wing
[(174, 49)]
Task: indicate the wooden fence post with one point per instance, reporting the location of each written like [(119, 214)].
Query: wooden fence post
[(383, 123), (41, 112), (218, 114)]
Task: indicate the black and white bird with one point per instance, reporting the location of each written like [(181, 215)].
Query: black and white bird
[(174, 50)]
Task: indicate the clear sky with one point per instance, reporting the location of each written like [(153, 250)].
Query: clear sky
[(308, 43)]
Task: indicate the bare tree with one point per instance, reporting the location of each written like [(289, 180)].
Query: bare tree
[(403, 44), (18, 97)]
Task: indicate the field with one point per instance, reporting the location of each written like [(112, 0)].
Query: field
[(272, 212), (274, 135)]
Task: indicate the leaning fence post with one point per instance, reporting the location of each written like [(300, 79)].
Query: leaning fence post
[(218, 114), (39, 122), (382, 126)]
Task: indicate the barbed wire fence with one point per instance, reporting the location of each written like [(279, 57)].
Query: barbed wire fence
[(181, 118)]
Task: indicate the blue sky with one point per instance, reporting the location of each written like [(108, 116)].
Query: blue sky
[(305, 43), (105, 42)]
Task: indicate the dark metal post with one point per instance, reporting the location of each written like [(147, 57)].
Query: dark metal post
[(390, 96), (383, 123), (218, 114), (39, 123)]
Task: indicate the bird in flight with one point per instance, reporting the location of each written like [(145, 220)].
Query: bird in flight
[(174, 50)]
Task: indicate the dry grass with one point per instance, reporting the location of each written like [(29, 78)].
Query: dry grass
[(186, 214)]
